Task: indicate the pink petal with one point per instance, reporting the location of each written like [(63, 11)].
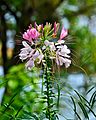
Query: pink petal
[(64, 33), (31, 34), (54, 27)]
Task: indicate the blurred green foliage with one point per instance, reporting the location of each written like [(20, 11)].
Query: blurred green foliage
[(23, 92), (85, 55)]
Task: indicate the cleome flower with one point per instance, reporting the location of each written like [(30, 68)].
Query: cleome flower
[(41, 39), (59, 52), (62, 56), (31, 55), (26, 51)]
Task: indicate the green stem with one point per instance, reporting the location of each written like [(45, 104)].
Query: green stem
[(47, 93), (50, 112)]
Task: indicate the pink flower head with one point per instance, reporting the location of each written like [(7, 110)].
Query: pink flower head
[(31, 34), (64, 33)]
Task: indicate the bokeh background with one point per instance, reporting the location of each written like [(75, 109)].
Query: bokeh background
[(21, 88)]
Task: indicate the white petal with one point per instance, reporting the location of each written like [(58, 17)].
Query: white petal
[(59, 47), (29, 64), (23, 56), (65, 49), (67, 63), (57, 61), (62, 60), (52, 47), (44, 47), (59, 42), (46, 42), (40, 57), (25, 44), (31, 53), (24, 52), (36, 54), (27, 47), (64, 54)]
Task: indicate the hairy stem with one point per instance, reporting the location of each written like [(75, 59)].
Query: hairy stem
[(48, 97)]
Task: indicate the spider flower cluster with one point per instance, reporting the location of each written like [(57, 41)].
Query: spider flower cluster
[(41, 41)]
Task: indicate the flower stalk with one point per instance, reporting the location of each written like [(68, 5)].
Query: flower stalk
[(49, 94)]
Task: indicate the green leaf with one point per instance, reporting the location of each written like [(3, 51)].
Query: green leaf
[(42, 116), (30, 116), (6, 107), (83, 110), (58, 99), (77, 115), (90, 89), (73, 103), (82, 97), (18, 111), (75, 108), (85, 99), (91, 110), (78, 95), (92, 99)]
